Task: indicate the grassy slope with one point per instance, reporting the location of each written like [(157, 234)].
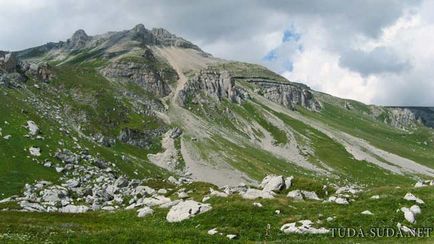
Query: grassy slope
[(78, 89), (409, 145)]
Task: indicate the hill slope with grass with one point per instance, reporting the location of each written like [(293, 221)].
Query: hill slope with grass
[(98, 127)]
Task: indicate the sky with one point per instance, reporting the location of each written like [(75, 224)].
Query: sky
[(374, 51)]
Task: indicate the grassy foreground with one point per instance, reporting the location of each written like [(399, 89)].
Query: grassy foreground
[(231, 215)]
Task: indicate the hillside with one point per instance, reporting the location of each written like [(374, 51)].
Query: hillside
[(98, 127)]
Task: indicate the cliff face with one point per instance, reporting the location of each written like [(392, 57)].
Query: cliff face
[(410, 116), (288, 95)]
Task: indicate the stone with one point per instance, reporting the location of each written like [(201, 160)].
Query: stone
[(257, 204), (295, 194), (375, 197), (254, 194), (121, 182), (272, 183), (341, 201), (367, 212), (231, 236), (411, 197), (35, 151), (415, 209), (144, 212), (175, 133), (213, 231), (288, 182), (33, 128), (408, 215), (169, 204), (74, 209), (310, 195), (304, 228), (162, 191), (73, 183), (155, 201), (185, 210), (213, 192), (183, 195)]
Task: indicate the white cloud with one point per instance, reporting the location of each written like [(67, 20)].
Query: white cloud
[(247, 30)]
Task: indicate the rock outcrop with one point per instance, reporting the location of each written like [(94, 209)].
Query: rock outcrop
[(213, 83), (148, 72), (8, 62), (288, 94)]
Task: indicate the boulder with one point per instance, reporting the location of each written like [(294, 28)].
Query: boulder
[(144, 212), (310, 195), (367, 212), (213, 231), (411, 197), (254, 194), (186, 209), (74, 209), (32, 127), (295, 194), (273, 183), (35, 151), (408, 215)]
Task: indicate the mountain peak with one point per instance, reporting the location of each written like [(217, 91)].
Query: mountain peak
[(139, 28), (78, 39)]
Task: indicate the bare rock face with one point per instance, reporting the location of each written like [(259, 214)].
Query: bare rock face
[(78, 40), (8, 62), (142, 139), (288, 94), (214, 83), (166, 38), (145, 71), (402, 118)]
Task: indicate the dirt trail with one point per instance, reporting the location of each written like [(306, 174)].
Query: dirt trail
[(213, 169)]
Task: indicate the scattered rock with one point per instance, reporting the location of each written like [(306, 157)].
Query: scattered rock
[(257, 204), (231, 236), (303, 227), (411, 197)]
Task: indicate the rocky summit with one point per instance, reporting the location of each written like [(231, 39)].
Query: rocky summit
[(141, 136)]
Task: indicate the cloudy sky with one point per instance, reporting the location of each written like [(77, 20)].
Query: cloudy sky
[(375, 51)]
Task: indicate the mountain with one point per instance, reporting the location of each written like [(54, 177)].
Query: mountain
[(102, 122)]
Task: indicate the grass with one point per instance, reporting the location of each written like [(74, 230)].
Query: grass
[(231, 215), (410, 145)]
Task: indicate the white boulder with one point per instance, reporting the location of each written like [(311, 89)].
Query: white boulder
[(411, 197), (144, 212), (273, 183), (32, 127), (74, 209), (186, 209), (35, 151), (254, 194)]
